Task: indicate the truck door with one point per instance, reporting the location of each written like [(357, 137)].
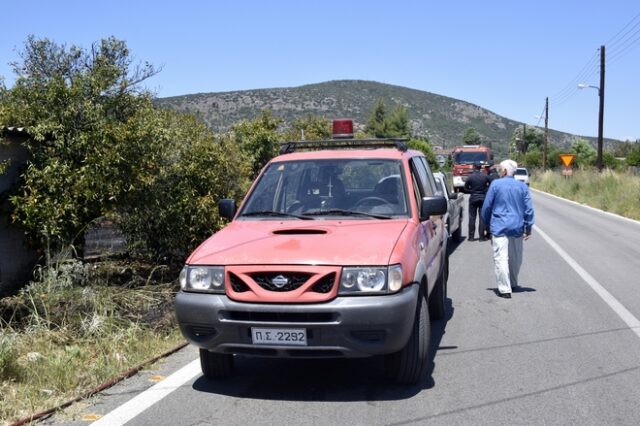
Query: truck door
[(432, 229)]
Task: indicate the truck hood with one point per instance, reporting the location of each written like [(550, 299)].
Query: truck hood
[(361, 242)]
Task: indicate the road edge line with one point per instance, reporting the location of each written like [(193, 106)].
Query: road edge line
[(149, 397), (614, 304)]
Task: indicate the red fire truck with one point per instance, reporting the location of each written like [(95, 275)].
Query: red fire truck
[(464, 157)]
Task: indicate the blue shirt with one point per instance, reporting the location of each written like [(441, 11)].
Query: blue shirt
[(508, 208)]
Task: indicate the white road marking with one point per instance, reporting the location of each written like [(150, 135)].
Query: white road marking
[(146, 399), (618, 308)]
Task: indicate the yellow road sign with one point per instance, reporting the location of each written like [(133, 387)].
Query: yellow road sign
[(567, 159)]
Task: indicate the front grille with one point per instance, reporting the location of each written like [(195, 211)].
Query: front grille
[(325, 284), (237, 284), (294, 280)]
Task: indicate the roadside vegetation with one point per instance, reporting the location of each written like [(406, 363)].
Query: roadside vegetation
[(612, 191), (78, 326)]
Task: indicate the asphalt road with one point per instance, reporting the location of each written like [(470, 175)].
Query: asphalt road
[(564, 350)]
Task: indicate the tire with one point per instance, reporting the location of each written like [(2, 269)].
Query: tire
[(438, 297), (408, 365), (215, 365)]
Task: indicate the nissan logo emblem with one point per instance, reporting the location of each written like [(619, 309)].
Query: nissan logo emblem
[(279, 281)]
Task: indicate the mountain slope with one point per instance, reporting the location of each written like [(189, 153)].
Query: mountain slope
[(441, 119)]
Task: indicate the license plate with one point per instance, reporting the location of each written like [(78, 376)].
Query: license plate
[(279, 336)]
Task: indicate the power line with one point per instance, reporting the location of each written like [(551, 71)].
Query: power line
[(571, 85), (611, 43), (541, 114), (627, 46), (619, 45), (572, 88)]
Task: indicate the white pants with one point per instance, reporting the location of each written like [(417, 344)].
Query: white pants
[(507, 257)]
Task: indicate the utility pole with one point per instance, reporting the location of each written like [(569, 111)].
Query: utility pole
[(546, 133), (599, 163)]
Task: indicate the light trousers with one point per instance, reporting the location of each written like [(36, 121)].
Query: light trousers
[(507, 258)]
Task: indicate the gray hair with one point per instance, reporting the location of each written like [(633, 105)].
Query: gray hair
[(509, 166)]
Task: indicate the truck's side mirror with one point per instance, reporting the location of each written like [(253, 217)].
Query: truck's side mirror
[(432, 206), (227, 208)]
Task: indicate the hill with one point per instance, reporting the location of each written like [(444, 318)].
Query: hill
[(441, 119)]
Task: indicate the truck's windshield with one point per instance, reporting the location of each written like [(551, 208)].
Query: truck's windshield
[(371, 186), (470, 157)]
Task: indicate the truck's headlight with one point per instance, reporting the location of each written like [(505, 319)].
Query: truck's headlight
[(204, 279), (371, 280)]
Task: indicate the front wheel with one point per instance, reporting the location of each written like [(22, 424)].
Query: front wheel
[(215, 365), (438, 297), (408, 365)]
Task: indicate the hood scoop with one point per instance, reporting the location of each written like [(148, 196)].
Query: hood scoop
[(300, 232)]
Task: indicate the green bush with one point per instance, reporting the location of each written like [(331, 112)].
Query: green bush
[(173, 207), (99, 148), (633, 157)]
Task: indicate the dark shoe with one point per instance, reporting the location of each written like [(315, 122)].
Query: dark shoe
[(505, 295), (471, 239), (483, 239)]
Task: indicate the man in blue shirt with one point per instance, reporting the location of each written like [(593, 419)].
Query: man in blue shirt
[(508, 208)]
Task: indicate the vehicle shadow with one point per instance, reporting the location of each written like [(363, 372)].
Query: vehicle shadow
[(452, 244), (322, 379)]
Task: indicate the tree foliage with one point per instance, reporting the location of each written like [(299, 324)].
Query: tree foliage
[(310, 128), (76, 106), (471, 137), (585, 153), (258, 139), (172, 205), (398, 123), (377, 124), (633, 156), (99, 147), (525, 138), (395, 125), (425, 147)]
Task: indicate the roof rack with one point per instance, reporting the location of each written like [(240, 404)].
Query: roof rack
[(289, 147)]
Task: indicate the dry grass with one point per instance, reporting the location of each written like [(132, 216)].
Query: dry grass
[(611, 191), (62, 337)]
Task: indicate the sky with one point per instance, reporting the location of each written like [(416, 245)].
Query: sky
[(504, 55)]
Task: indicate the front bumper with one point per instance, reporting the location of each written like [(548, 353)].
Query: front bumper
[(352, 327)]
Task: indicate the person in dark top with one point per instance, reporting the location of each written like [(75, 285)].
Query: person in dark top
[(476, 185), (493, 173)]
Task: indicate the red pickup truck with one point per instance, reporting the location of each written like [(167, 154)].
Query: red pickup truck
[(338, 250)]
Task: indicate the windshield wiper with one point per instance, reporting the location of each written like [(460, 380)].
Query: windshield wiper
[(275, 214), (342, 212)]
